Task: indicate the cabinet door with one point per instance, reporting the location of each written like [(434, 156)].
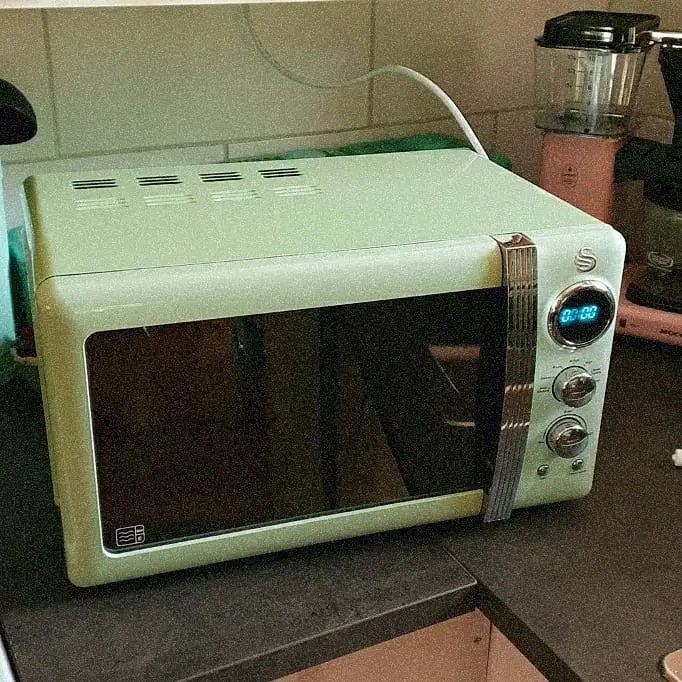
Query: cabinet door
[(453, 651), (463, 649), (507, 664)]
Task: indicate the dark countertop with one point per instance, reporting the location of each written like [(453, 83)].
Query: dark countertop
[(589, 589), (255, 619), (592, 589)]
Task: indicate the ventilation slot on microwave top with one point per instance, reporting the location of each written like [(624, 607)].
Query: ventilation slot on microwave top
[(269, 173), (168, 199), (101, 203), (235, 195), (148, 180), (222, 176), (297, 191), (96, 183)]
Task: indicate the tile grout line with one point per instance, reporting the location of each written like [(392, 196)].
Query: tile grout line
[(274, 138), (372, 62), (51, 81)]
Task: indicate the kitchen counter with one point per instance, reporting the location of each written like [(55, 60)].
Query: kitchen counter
[(588, 590), (592, 589)]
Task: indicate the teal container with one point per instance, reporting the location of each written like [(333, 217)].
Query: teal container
[(7, 331), (411, 143)]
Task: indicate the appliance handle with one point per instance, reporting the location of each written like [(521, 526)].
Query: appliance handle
[(519, 272), (663, 37)]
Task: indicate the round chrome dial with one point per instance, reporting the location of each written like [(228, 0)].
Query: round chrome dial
[(574, 387), (567, 437)]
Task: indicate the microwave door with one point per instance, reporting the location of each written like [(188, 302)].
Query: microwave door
[(213, 426)]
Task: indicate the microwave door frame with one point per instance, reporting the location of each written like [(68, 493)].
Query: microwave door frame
[(519, 277)]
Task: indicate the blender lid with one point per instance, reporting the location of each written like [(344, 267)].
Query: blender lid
[(612, 31)]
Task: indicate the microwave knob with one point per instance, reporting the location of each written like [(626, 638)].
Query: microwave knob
[(567, 437), (574, 387)]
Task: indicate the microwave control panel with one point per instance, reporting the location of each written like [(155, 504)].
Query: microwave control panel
[(579, 316)]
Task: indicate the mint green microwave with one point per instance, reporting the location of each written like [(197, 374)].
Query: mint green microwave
[(246, 358)]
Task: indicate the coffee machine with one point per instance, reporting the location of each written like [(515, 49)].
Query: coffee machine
[(588, 68)]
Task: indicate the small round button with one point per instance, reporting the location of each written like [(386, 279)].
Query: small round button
[(567, 437), (574, 386), (543, 470), (577, 464)]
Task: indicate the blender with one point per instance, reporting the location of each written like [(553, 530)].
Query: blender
[(588, 67)]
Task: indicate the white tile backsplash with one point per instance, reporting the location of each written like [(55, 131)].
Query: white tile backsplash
[(659, 129), (24, 63), (127, 86), (159, 76), (479, 51), (519, 139)]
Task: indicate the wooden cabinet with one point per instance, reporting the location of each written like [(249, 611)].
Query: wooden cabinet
[(463, 649), (507, 664)]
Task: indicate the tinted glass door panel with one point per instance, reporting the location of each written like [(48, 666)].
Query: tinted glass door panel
[(205, 427)]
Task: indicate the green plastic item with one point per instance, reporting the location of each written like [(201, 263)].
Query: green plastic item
[(411, 143), (7, 332), (19, 279)]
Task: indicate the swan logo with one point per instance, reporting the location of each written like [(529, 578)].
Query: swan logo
[(586, 259)]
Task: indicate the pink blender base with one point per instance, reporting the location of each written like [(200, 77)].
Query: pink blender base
[(579, 169), (644, 322)]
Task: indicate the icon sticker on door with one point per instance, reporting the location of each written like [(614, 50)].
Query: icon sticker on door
[(129, 535)]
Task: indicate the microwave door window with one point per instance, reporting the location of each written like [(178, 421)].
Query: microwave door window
[(420, 362), (206, 427)]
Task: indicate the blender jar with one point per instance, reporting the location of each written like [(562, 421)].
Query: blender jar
[(588, 66)]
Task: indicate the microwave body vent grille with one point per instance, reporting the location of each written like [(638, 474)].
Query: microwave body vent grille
[(168, 199), (95, 183), (221, 176), (235, 195), (297, 191), (101, 203), (276, 173), (151, 180)]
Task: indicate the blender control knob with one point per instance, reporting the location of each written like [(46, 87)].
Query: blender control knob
[(574, 387), (567, 437)]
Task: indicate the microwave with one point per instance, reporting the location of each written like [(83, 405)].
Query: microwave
[(251, 357)]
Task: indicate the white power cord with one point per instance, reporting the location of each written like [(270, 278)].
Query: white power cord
[(390, 68)]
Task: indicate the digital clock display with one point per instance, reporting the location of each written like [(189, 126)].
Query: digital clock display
[(581, 314)]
